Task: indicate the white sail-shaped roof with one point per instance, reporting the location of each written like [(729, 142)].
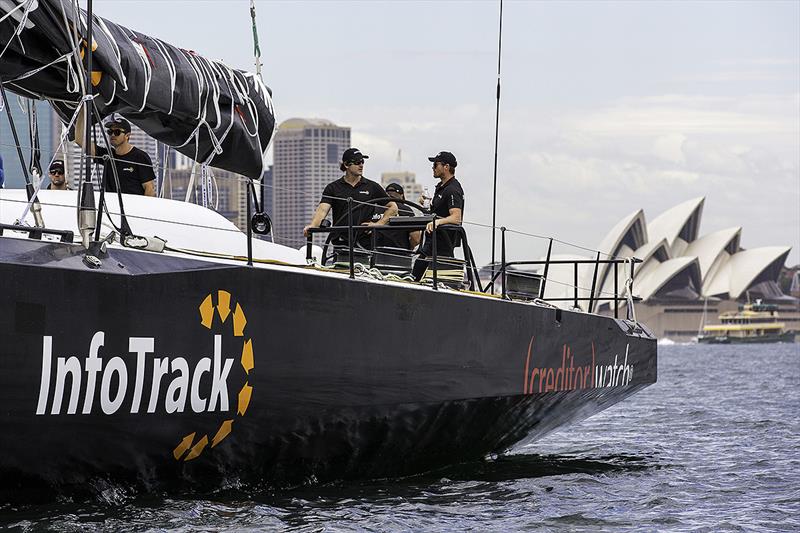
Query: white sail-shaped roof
[(652, 255), (745, 269), (672, 254), (654, 250), (714, 247), (679, 225), (627, 235), (681, 272), (631, 231)]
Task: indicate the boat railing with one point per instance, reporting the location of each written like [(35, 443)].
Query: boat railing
[(500, 272)]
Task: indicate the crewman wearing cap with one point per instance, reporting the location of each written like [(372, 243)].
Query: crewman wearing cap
[(448, 206), (400, 238), (353, 185), (58, 179), (134, 168)]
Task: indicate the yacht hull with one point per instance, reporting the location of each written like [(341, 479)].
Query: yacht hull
[(164, 369)]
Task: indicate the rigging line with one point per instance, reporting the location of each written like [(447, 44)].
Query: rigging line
[(496, 137), (62, 138), (256, 48)]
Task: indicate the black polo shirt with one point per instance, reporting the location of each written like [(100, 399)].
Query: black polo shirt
[(134, 169), (398, 238), (447, 196), (336, 194)]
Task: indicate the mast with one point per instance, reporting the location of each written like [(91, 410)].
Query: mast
[(87, 212)]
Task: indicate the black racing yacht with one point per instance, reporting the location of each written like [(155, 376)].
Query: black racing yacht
[(148, 339)]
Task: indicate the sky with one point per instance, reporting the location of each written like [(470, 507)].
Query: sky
[(606, 107)]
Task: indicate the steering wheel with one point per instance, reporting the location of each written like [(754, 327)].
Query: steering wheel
[(356, 244)]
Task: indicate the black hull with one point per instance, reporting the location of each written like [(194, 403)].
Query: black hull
[(346, 378)]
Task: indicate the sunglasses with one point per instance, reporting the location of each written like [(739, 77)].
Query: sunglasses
[(115, 132), (359, 162), (435, 164), (57, 172)]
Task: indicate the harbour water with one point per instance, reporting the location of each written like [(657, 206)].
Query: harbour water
[(713, 446)]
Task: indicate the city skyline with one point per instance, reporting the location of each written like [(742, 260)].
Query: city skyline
[(605, 106)]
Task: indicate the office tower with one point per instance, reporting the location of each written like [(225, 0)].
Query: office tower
[(49, 129), (268, 191), (307, 154), (411, 188)]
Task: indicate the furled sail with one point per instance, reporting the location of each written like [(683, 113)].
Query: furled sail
[(205, 109)]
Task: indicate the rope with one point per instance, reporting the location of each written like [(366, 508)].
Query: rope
[(630, 311)]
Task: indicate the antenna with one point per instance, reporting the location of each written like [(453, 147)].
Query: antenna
[(496, 138), (256, 48)]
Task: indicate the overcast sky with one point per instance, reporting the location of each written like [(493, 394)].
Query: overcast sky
[(606, 107)]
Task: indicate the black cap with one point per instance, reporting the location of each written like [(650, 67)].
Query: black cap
[(446, 158), (119, 123), (395, 187), (353, 154), (57, 164)]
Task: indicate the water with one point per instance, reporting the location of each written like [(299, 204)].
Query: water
[(714, 446)]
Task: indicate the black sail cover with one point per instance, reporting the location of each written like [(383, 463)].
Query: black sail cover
[(205, 109)]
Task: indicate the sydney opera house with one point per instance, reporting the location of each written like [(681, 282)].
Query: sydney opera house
[(684, 276)]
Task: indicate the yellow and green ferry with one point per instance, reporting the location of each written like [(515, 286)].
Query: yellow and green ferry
[(754, 323)]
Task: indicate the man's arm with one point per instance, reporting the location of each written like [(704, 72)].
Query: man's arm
[(414, 238), (391, 211), (149, 188), (147, 173), (453, 218), (319, 216)]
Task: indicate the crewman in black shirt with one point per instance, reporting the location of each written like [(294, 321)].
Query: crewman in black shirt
[(58, 177), (134, 166), (400, 238), (448, 205), (353, 185)]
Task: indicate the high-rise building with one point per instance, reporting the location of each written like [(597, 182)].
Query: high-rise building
[(408, 180), (307, 154), (268, 191), (49, 126)]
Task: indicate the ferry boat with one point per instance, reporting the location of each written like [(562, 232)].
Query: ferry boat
[(150, 340), (754, 323)]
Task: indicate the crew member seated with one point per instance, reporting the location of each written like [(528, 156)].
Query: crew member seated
[(400, 238), (448, 206)]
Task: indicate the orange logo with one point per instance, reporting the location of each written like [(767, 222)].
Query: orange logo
[(211, 316)]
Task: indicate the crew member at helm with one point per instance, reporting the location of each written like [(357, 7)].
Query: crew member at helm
[(448, 205), (399, 238), (353, 185)]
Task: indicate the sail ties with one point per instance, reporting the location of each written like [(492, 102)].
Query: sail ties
[(28, 5)]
